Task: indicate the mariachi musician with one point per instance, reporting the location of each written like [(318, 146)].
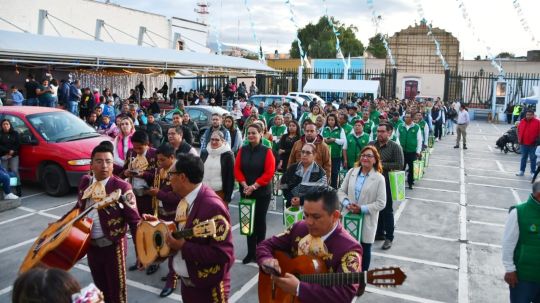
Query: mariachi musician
[(320, 235), (107, 252), (167, 202), (202, 264), (140, 165)]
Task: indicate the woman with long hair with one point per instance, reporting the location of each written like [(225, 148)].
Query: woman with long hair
[(286, 144), (334, 136), (364, 191), (9, 149), (254, 169), (122, 142), (236, 135)]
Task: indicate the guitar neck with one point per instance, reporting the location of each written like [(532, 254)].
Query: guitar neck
[(180, 234), (333, 279)]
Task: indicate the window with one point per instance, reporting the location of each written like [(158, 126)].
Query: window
[(18, 124)]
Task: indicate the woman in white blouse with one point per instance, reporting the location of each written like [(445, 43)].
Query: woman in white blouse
[(363, 191)]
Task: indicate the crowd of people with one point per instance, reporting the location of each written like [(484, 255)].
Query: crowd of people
[(344, 154)]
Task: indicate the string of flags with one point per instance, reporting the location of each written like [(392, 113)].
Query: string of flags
[(303, 59), (375, 19), (257, 41), (430, 34)]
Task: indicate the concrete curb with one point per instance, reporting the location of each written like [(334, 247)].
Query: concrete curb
[(9, 204)]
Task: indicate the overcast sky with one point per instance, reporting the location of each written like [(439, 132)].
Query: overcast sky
[(495, 21)]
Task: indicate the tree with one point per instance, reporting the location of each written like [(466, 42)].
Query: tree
[(318, 40), (505, 55), (376, 46)]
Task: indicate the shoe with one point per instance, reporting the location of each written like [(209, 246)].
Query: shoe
[(152, 269), (456, 146), (167, 291), (464, 146), (380, 238), (248, 259), (164, 279), (133, 267), (520, 174), (437, 139), (18, 190), (11, 196), (410, 186), (452, 134), (387, 244)]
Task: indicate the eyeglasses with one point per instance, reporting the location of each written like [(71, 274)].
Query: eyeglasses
[(306, 152), (172, 173), (367, 156)]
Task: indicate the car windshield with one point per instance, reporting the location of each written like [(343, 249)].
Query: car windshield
[(61, 127)]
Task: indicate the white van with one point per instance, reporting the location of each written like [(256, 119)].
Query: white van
[(308, 97)]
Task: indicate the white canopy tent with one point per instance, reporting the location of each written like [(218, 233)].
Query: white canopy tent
[(342, 86), (39, 49)]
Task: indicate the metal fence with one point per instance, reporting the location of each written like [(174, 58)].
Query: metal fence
[(287, 80), (476, 88)]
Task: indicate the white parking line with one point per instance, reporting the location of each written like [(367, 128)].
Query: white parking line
[(414, 260), (12, 247), (136, 284), (463, 273), (399, 211), (391, 294), (499, 186), (425, 236), (6, 290), (439, 180), (433, 201), (486, 223), (245, 288), (516, 196), (488, 207), (499, 165), (16, 218), (32, 195), (498, 178), (490, 148), (485, 244), (437, 189)]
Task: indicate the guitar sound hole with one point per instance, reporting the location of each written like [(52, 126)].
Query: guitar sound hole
[(158, 239)]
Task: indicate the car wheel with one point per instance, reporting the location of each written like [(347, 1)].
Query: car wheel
[(54, 180)]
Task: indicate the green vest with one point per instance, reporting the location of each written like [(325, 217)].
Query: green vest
[(517, 110), (368, 126), (396, 124), (347, 128), (268, 117), (527, 252), (335, 149), (265, 142), (408, 138), (374, 116), (277, 131), (422, 125), (355, 146)]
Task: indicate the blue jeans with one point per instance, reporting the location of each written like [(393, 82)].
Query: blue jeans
[(366, 255), (528, 151), (4, 179), (73, 107), (31, 102), (525, 292), (229, 104), (449, 126)]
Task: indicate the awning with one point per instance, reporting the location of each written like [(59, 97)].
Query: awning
[(529, 100), (342, 86), (39, 49)]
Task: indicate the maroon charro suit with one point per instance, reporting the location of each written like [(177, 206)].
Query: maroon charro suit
[(344, 255), (108, 263), (208, 260), (144, 203)]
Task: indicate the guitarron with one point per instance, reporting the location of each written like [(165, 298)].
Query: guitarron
[(65, 242), (313, 270)]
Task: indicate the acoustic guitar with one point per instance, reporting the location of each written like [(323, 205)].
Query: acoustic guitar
[(150, 238), (313, 270), (65, 242)]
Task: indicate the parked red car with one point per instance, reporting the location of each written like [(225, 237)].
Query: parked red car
[(55, 146)]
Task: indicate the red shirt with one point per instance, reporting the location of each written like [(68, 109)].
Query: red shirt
[(528, 131)]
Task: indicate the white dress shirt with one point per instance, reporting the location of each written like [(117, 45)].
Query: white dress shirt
[(97, 231), (510, 239), (179, 264)]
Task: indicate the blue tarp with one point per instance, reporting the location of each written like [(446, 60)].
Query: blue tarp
[(529, 100)]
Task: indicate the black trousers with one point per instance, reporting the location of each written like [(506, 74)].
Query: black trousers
[(438, 129), (385, 225), (409, 159), (259, 229)]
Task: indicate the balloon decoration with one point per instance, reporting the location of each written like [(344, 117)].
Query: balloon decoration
[(376, 19), (303, 59), (430, 34), (257, 41), (336, 33), (468, 21), (524, 22)]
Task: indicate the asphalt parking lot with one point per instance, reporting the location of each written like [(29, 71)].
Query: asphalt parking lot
[(448, 231)]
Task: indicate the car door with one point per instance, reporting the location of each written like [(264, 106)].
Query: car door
[(28, 147)]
